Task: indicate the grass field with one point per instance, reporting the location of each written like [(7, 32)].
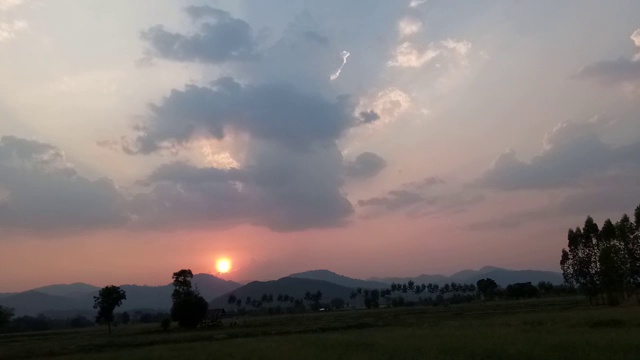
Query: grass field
[(536, 329)]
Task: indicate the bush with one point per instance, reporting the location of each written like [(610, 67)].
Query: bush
[(189, 311)]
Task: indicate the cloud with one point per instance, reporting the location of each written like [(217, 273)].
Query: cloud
[(416, 3), (278, 189), (409, 26), (386, 105), (394, 200), (280, 111), (609, 199), (344, 55), (8, 4), (222, 38), (572, 152), (369, 116), (366, 165), (291, 174), (622, 71), (42, 192), (420, 198), (273, 112), (8, 30), (410, 55)]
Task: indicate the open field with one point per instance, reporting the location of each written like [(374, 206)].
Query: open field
[(535, 329)]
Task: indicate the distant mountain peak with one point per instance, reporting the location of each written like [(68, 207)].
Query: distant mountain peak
[(489, 268), (332, 277)]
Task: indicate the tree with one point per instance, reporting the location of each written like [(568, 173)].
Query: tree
[(487, 288), (411, 285), (522, 291), (189, 308), (604, 262), (232, 299), (106, 302), (5, 315)]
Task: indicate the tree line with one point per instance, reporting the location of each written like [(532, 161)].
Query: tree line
[(397, 295), (604, 262)]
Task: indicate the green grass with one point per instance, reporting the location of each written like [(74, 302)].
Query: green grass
[(541, 329)]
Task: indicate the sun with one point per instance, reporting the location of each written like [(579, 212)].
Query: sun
[(223, 265)]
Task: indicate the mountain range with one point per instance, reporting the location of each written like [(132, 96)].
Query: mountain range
[(65, 300)]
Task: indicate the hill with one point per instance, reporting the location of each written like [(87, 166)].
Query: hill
[(296, 287), (66, 289), (330, 276), (69, 299), (33, 303)]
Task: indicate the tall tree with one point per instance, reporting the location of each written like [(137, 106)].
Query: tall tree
[(189, 308), (604, 262), (106, 302)]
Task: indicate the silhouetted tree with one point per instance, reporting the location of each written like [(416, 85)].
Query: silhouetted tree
[(232, 299), (604, 261), (411, 285), (106, 302), (487, 288), (522, 291), (5, 315), (189, 308)]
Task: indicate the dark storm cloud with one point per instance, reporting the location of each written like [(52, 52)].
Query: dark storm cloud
[(39, 191), (220, 38), (366, 165), (573, 152)]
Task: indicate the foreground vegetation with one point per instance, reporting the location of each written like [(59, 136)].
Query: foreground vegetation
[(530, 329)]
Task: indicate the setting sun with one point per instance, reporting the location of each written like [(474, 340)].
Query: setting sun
[(223, 265)]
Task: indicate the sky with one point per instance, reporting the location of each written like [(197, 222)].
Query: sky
[(372, 138)]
